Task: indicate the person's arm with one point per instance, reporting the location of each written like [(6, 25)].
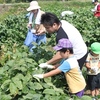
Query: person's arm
[(96, 11), (30, 20), (41, 29), (64, 67), (56, 58), (87, 64), (49, 74), (52, 73), (99, 64)]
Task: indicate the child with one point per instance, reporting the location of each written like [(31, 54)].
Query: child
[(69, 66), (36, 31), (93, 69), (96, 10)]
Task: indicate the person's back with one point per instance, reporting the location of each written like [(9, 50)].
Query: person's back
[(74, 76), (79, 46), (36, 31)]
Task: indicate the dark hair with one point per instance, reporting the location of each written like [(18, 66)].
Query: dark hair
[(49, 19), (65, 49), (95, 0)]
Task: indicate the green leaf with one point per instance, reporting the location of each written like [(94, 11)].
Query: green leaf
[(5, 83), (45, 85), (47, 80), (25, 89), (86, 97), (37, 96), (20, 76), (35, 86), (29, 60), (65, 97), (27, 77), (6, 68), (58, 90), (21, 62), (18, 84), (13, 89), (1, 71), (41, 60), (22, 68), (49, 91), (53, 97), (32, 96), (5, 97), (51, 85), (36, 78), (11, 62)]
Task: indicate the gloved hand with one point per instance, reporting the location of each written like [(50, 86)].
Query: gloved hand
[(93, 10), (45, 65), (38, 75)]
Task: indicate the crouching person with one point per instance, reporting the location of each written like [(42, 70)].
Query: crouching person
[(69, 66)]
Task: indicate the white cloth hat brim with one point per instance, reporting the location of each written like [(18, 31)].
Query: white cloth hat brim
[(33, 8)]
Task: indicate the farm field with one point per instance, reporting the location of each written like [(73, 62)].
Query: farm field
[(17, 64)]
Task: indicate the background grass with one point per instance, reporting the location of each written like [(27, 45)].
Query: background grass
[(16, 8)]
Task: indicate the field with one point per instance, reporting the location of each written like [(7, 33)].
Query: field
[(17, 64)]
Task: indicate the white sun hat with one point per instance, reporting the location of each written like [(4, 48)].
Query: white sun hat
[(66, 13), (33, 5)]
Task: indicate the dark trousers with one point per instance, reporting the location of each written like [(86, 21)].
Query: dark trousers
[(82, 60)]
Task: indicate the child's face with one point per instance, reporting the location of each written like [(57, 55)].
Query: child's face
[(64, 55)]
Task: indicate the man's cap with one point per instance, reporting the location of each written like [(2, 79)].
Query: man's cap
[(33, 5), (95, 47), (63, 43)]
